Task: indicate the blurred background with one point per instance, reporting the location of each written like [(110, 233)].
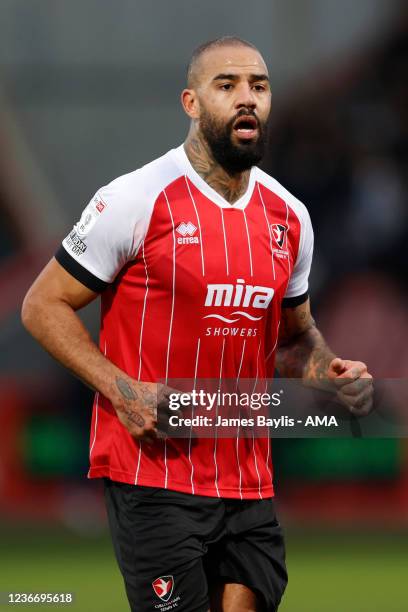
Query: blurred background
[(88, 91)]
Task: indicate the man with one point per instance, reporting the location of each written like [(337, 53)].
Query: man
[(193, 521)]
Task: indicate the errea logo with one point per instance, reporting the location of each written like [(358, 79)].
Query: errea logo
[(187, 231)]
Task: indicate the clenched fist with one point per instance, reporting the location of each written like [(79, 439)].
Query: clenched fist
[(353, 383)]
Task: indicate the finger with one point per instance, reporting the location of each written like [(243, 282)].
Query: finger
[(139, 434), (150, 435), (337, 365), (357, 386), (357, 399), (163, 424), (356, 368), (164, 407), (364, 409), (360, 404), (148, 441), (164, 392), (175, 408), (351, 374)]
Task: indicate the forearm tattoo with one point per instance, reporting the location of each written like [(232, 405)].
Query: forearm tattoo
[(302, 353)]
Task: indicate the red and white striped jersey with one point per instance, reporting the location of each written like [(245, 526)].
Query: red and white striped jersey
[(171, 258)]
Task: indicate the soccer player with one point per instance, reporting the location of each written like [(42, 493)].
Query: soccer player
[(201, 261)]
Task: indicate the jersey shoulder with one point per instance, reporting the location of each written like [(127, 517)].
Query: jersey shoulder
[(139, 189), (273, 185)]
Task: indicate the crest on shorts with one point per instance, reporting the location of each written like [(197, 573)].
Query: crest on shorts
[(163, 587)]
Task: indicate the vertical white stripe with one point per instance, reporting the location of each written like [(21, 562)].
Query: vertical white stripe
[(257, 366), (192, 416), (96, 415), (165, 464), (267, 458), (269, 230), (140, 354), (269, 441), (216, 415), (287, 232), (239, 416), (138, 462), (253, 436), (96, 423), (171, 325), (266, 389), (143, 313), (225, 241), (276, 342), (240, 364), (249, 244), (221, 363), (198, 222), (173, 289), (256, 465)]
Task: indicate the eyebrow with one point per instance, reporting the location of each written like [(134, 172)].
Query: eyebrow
[(235, 77)]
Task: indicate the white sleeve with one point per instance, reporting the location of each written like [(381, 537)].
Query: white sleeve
[(299, 280), (108, 234)]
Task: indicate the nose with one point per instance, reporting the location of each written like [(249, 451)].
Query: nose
[(246, 97)]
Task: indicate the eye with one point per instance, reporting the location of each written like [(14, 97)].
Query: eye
[(259, 87), (226, 86)]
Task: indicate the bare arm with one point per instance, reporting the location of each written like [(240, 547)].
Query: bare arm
[(303, 353), (48, 313), (302, 350)]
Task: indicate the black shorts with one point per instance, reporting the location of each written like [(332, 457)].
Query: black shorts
[(172, 547)]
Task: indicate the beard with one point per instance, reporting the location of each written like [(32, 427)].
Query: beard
[(234, 158)]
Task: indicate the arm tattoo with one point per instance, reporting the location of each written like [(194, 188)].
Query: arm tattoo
[(303, 352)]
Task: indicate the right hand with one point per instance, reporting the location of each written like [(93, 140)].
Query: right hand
[(142, 407)]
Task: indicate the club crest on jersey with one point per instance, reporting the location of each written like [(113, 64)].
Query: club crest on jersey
[(279, 233), (186, 233), (163, 587)]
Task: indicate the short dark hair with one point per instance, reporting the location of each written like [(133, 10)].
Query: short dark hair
[(223, 41)]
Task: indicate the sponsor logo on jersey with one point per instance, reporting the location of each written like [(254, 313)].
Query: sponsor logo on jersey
[(187, 231), (239, 295), (89, 216), (75, 244), (163, 587), (100, 206), (279, 233)]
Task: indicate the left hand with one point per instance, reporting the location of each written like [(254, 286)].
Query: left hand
[(353, 383)]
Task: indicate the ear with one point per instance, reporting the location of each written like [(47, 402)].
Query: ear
[(190, 103)]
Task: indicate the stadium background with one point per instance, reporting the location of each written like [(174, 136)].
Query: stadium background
[(88, 91)]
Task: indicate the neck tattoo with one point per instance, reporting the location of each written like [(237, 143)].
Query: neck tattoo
[(230, 187)]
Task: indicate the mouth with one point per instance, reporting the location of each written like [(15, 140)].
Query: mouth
[(246, 127)]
